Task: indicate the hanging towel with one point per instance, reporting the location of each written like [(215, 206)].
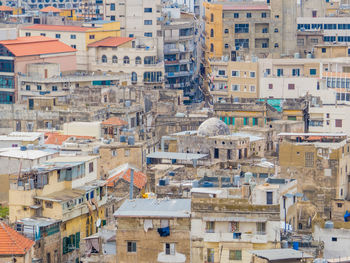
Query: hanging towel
[(147, 224), (164, 231)]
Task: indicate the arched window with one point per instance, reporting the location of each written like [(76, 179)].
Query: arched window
[(211, 17), (126, 60), (211, 48), (211, 32), (134, 77), (115, 59), (104, 59), (137, 60)]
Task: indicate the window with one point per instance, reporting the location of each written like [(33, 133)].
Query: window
[(339, 205), (249, 15), (226, 30), (112, 7), (58, 35), (235, 255), (126, 60), (114, 59), (252, 74), (28, 34), (91, 167), (42, 34), (296, 72), (263, 15), (221, 73), (252, 88), (279, 72), (210, 227), (324, 50), (54, 88), (276, 30), (38, 87), (300, 42), (112, 18), (261, 228), (147, 22), (244, 43), (235, 15), (235, 73), (131, 247), (169, 249), (291, 86), (138, 60), (148, 34), (48, 204), (211, 32), (210, 255), (211, 48), (309, 159), (226, 45), (235, 87), (241, 28), (245, 121), (133, 77), (114, 153), (216, 153), (270, 86), (104, 59), (91, 36), (73, 37), (27, 87), (313, 71), (334, 239), (147, 10), (276, 45), (73, 46), (338, 123), (265, 30), (264, 45), (211, 17), (126, 152), (314, 13)]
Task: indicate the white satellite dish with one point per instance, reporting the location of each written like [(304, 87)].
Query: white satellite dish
[(98, 222)]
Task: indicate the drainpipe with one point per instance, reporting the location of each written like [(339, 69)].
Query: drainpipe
[(131, 184)]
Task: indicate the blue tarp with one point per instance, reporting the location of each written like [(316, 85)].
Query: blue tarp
[(164, 231), (347, 216)]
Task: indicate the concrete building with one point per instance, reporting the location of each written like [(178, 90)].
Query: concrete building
[(319, 161), (65, 189), (154, 230), (232, 227), (253, 28), (306, 42), (180, 34), (78, 37), (137, 58), (18, 53), (233, 79)]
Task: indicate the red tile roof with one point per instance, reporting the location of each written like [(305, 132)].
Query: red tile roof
[(111, 42), (36, 45), (50, 9), (115, 121), (140, 179), (246, 7), (58, 28), (13, 243), (5, 8), (57, 138)]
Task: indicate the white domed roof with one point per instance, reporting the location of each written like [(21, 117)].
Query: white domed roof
[(213, 127)]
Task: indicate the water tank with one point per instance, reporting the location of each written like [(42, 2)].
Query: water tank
[(329, 224), (247, 177), (236, 180), (284, 244), (309, 55), (208, 184), (296, 55), (122, 138), (296, 245), (23, 148), (131, 140)]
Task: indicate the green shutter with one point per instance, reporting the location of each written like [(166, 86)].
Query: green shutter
[(77, 239), (72, 240), (104, 222), (64, 245)]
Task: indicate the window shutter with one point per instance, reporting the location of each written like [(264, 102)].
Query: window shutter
[(172, 249), (64, 245), (77, 239)]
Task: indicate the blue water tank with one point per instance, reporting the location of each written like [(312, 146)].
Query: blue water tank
[(23, 148), (171, 173), (296, 245), (131, 140)]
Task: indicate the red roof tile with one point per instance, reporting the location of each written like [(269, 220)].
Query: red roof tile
[(140, 179), (5, 8), (50, 9), (36, 45), (59, 28), (111, 42), (57, 139), (115, 121), (246, 7), (13, 243)]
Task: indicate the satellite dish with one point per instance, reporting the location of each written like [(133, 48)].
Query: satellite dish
[(98, 222)]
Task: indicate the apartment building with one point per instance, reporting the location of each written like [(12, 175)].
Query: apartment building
[(233, 79), (65, 189), (180, 52), (254, 28), (136, 58), (18, 53), (78, 37), (319, 161), (154, 231)]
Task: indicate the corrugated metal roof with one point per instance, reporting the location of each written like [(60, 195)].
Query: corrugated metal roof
[(160, 208), (280, 254), (176, 156)]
